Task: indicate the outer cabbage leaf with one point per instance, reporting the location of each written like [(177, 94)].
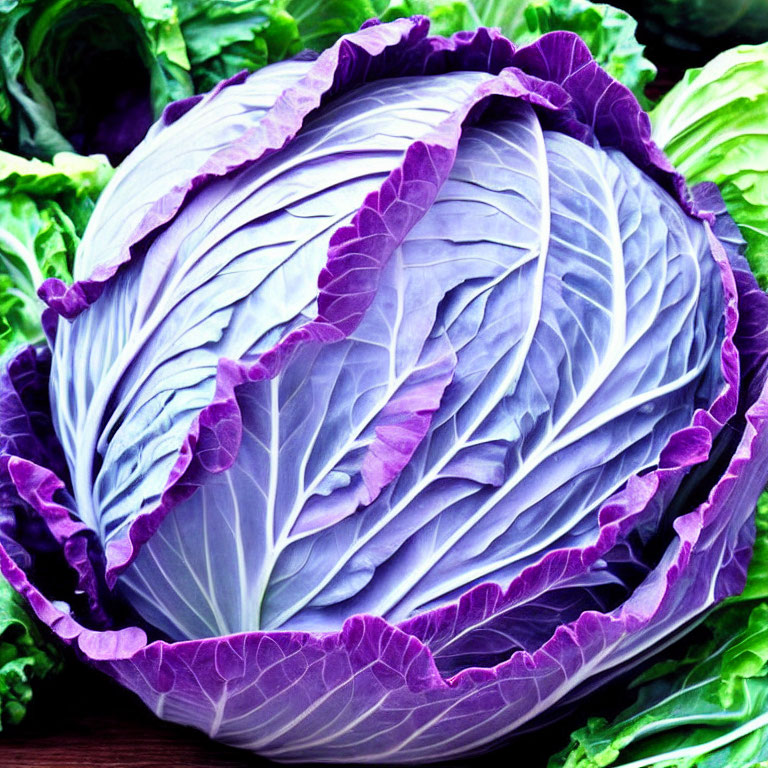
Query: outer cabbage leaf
[(26, 650), (471, 665), (608, 32), (712, 126), (44, 208), (706, 709)]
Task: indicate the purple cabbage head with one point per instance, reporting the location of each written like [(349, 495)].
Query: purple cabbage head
[(402, 397)]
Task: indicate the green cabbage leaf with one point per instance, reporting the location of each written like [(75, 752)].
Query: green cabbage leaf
[(713, 127), (25, 656), (44, 208)]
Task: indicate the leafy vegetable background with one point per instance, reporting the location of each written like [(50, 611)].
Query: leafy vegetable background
[(25, 656), (60, 138), (712, 126)]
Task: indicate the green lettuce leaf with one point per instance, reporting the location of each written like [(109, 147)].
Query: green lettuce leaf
[(757, 576), (25, 656), (713, 127), (708, 709), (44, 208), (322, 22), (225, 36)]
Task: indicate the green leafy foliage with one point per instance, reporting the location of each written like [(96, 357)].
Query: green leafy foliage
[(712, 125), (223, 37), (25, 656), (91, 75), (44, 208), (322, 22), (708, 709)]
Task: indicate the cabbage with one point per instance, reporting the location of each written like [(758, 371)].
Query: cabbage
[(401, 398)]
